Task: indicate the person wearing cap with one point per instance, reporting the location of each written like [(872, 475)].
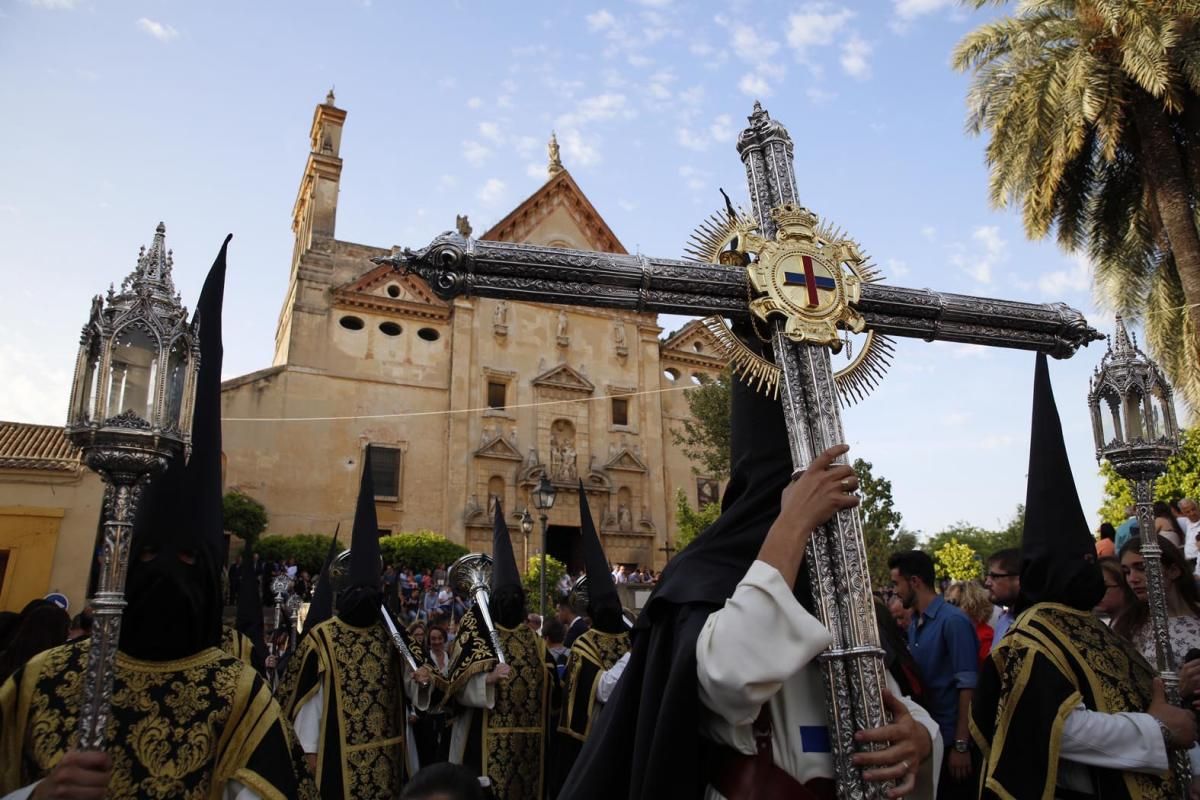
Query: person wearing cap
[(1064, 707)]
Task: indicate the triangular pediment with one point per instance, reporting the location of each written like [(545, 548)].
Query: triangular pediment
[(693, 339), (499, 447), (385, 289), (626, 460), (565, 377), (557, 214)]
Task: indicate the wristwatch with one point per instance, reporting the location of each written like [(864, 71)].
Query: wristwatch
[(960, 745)]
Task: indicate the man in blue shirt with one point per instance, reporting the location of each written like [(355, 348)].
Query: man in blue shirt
[(943, 643), (1127, 529)]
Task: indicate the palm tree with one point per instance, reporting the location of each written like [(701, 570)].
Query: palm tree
[(1093, 107)]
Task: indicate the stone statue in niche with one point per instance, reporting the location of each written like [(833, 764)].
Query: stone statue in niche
[(555, 457), (500, 319), (619, 339), (561, 329), (567, 458), (512, 438), (462, 225), (493, 499), (624, 517)]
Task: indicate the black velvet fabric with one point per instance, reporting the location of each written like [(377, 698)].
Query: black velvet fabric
[(604, 605), (507, 605), (1057, 548), (359, 603), (321, 607), (249, 620)]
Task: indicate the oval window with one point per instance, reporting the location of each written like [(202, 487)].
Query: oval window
[(389, 329), (429, 334), (671, 374), (393, 290), (351, 323)]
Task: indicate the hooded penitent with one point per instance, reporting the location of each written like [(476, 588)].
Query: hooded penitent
[(250, 609), (1056, 542), (507, 604), (604, 605), (358, 604), (173, 588), (321, 607), (653, 716)]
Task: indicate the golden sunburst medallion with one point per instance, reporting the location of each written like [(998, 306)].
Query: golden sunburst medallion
[(811, 274)]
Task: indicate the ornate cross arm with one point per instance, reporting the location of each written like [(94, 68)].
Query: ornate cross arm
[(454, 266)]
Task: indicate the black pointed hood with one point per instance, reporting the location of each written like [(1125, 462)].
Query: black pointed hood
[(1056, 542), (710, 567), (249, 607), (507, 594), (604, 605), (321, 607), (359, 602), (175, 606)]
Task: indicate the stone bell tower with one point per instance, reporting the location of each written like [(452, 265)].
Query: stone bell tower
[(313, 222)]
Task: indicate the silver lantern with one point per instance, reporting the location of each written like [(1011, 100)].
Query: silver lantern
[(130, 413)]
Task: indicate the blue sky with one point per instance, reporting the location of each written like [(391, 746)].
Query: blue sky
[(119, 114)]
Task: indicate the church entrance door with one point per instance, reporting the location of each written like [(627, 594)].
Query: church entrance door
[(565, 543)]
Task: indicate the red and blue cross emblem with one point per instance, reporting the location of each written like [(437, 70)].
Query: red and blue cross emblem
[(810, 280)]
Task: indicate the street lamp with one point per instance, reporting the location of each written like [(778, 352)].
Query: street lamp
[(526, 528), (543, 499), (1133, 420), (130, 412)]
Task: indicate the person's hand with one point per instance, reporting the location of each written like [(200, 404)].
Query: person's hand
[(500, 673), (270, 661), (960, 765), (908, 745), (1189, 678), (79, 775), (822, 490), (1181, 722), (424, 675)]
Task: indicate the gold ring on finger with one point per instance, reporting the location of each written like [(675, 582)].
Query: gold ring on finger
[(847, 483)]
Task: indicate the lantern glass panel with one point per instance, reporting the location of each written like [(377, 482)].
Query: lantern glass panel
[(1135, 423), (132, 373), (1157, 407), (177, 367), (84, 403)]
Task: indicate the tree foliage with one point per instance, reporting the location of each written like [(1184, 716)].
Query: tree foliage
[(244, 516), (981, 541), (1182, 479), (1093, 108), (883, 533), (705, 435), (309, 549), (957, 561), (420, 550), (689, 522), (555, 569)]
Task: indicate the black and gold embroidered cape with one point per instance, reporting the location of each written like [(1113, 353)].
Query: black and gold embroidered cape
[(507, 742), (358, 672), (179, 729), (1052, 658), (237, 644), (592, 654)]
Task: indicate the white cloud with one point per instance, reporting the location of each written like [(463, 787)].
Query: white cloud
[(692, 97), (816, 25), (598, 107), (956, 419), (475, 153), (751, 47), (654, 3), (474, 102), (55, 5), (525, 145), (639, 60), (754, 85), (446, 183), (490, 131), (159, 30), (576, 149), (929, 233), (1077, 278), (693, 178), (988, 250), (909, 10), (491, 192), (535, 170), (627, 205), (722, 128), (897, 268), (691, 140), (601, 20), (854, 57), (35, 388)]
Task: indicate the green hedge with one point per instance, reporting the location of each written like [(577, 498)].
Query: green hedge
[(421, 550), (555, 569)]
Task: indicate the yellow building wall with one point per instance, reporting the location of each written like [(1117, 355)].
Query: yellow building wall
[(48, 526)]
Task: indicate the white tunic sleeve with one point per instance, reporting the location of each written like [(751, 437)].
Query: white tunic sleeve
[(1128, 741), (477, 693), (609, 678), (308, 723), (757, 641)]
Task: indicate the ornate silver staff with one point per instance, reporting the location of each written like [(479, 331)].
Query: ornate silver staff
[(280, 587), (130, 413), (397, 639), (1133, 421), (472, 575)]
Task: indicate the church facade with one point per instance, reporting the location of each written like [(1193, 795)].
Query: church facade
[(467, 403)]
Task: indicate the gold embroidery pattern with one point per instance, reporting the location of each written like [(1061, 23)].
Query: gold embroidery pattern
[(471, 654), (364, 669), (237, 644), (592, 653), (514, 730), (1108, 672), (164, 727)]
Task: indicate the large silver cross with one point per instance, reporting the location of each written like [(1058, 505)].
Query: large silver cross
[(852, 667)]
